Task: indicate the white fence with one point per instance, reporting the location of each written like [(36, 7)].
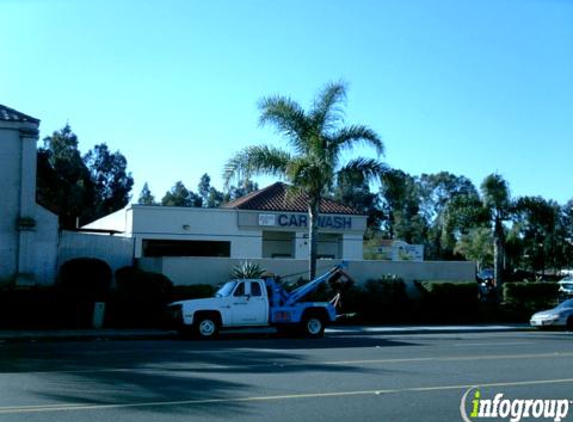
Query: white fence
[(116, 251)]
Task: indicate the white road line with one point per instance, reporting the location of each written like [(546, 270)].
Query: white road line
[(253, 399)]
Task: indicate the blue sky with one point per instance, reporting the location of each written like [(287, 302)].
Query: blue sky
[(469, 87)]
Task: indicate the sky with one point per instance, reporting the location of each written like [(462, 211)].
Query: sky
[(468, 87)]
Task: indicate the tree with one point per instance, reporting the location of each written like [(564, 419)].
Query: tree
[(400, 205), (210, 196), (540, 231), (476, 245), (180, 196), (318, 140), (64, 185), (439, 193), (353, 190), (497, 201), (244, 187), (112, 183), (146, 197), (80, 189)]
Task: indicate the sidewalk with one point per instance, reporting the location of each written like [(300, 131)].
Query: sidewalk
[(151, 334)]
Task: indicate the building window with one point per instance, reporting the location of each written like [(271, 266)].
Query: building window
[(154, 248), (278, 244)]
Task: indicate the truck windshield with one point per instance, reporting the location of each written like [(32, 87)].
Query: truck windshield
[(227, 289)]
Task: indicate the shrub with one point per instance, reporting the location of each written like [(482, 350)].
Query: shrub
[(30, 308), (378, 301), (139, 299), (522, 299), (449, 302), (85, 279)]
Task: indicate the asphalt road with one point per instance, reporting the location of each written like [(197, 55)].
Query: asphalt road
[(408, 377)]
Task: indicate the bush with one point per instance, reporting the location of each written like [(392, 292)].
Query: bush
[(139, 298), (522, 299), (85, 279), (31, 308), (448, 302), (379, 301)]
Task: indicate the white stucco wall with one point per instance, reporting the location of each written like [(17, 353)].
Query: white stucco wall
[(187, 270), (27, 253), (10, 153)]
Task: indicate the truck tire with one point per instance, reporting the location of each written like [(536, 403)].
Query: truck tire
[(313, 326), (206, 327)]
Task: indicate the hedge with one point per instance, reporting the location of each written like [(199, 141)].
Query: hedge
[(522, 299), (139, 299), (448, 302)]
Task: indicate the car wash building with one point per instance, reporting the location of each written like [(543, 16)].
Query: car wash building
[(264, 224)]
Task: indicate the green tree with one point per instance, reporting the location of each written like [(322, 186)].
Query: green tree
[(439, 193), (497, 201), (353, 190), (80, 189), (111, 180), (244, 187), (146, 197), (318, 140), (180, 196), (540, 231), (401, 207), (477, 245), (210, 196)]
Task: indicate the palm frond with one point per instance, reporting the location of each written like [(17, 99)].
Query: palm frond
[(369, 168), (351, 136), (327, 111), (289, 119), (256, 160)]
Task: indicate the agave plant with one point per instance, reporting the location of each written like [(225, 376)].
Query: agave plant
[(247, 270)]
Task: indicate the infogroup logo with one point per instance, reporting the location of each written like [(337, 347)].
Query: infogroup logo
[(513, 409)]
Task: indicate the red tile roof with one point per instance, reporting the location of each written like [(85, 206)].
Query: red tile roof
[(274, 198), (8, 114)]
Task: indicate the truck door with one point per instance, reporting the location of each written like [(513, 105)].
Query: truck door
[(249, 305)]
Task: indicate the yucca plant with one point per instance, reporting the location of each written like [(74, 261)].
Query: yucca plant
[(248, 270)]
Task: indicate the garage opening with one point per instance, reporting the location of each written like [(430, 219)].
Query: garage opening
[(154, 248)]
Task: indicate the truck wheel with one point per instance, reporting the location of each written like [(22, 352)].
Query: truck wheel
[(313, 327), (206, 327)]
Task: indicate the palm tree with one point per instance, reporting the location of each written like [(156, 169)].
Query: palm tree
[(496, 199), (318, 139)]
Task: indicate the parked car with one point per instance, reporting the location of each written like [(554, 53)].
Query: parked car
[(560, 316), (566, 286)]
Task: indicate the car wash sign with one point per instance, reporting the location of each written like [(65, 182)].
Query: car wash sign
[(286, 220)]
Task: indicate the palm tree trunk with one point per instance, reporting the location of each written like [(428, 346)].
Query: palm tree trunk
[(498, 258), (313, 211)]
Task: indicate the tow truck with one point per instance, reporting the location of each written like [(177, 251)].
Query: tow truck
[(244, 303)]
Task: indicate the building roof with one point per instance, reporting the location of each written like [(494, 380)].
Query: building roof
[(274, 198), (8, 114)]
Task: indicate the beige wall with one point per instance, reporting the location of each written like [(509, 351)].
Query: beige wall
[(184, 271)]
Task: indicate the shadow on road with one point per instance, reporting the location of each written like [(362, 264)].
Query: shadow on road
[(164, 373)]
